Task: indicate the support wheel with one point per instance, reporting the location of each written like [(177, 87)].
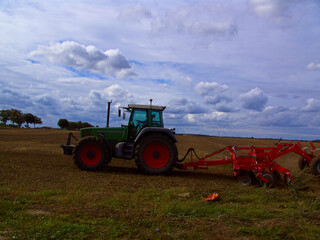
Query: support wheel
[(91, 154), (302, 163), (246, 177), (156, 154), (315, 166)]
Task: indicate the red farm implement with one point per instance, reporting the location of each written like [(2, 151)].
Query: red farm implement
[(253, 164)]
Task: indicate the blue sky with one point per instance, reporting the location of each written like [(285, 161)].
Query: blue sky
[(247, 68)]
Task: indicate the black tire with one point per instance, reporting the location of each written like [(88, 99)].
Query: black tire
[(302, 163), (315, 166), (156, 154), (91, 154), (246, 178)]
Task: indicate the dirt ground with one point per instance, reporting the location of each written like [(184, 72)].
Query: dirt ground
[(42, 182)]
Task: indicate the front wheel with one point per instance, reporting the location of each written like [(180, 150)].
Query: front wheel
[(91, 154), (156, 154)]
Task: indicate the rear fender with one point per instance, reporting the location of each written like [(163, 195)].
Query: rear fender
[(149, 130)]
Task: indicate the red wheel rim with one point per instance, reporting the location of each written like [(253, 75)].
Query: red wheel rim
[(156, 155), (90, 154)]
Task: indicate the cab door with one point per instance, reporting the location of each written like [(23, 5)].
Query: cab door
[(138, 120)]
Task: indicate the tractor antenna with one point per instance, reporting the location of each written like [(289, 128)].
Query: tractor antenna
[(150, 101)]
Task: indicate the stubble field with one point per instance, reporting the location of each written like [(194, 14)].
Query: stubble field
[(43, 195)]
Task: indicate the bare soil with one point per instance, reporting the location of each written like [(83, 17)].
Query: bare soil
[(39, 182)]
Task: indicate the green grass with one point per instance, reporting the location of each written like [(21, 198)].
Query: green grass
[(160, 214)]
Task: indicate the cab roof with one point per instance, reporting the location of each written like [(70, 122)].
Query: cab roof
[(161, 108)]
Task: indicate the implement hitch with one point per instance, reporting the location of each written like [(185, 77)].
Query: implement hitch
[(67, 148)]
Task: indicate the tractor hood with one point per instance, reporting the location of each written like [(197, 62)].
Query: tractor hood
[(110, 133)]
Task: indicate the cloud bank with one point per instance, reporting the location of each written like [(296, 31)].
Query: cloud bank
[(73, 54)]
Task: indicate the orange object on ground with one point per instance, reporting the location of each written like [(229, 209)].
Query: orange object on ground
[(211, 197)]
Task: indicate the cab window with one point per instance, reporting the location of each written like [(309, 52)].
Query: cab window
[(156, 119), (139, 119)]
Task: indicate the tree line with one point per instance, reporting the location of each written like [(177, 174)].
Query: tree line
[(17, 117), (68, 125)]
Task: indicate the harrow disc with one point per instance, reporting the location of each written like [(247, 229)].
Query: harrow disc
[(270, 178), (287, 181)]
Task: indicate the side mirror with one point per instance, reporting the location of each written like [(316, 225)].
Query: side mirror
[(119, 112)]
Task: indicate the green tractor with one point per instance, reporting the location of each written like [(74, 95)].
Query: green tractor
[(144, 139)]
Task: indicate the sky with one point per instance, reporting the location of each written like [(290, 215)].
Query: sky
[(244, 68)]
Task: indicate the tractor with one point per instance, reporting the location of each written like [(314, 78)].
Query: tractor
[(154, 150), (144, 139)]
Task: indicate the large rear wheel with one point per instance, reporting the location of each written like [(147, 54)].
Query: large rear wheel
[(156, 154), (91, 154)]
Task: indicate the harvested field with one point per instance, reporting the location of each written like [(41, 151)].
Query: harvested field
[(43, 195)]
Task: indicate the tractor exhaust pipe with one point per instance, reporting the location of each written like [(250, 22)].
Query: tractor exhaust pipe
[(108, 114)]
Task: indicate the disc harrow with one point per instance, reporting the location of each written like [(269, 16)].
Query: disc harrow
[(257, 165)]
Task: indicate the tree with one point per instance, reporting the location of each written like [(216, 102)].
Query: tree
[(29, 118), (5, 116), (37, 120), (85, 125), (63, 123), (73, 126), (16, 116)]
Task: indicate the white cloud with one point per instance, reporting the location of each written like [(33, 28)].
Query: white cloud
[(186, 80), (207, 88), (255, 99), (280, 116), (207, 20), (190, 118), (217, 116), (184, 106), (313, 105), (225, 108), (215, 99), (313, 66), (116, 91), (277, 10), (73, 54), (46, 100)]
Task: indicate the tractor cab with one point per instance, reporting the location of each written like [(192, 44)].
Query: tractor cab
[(142, 116)]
